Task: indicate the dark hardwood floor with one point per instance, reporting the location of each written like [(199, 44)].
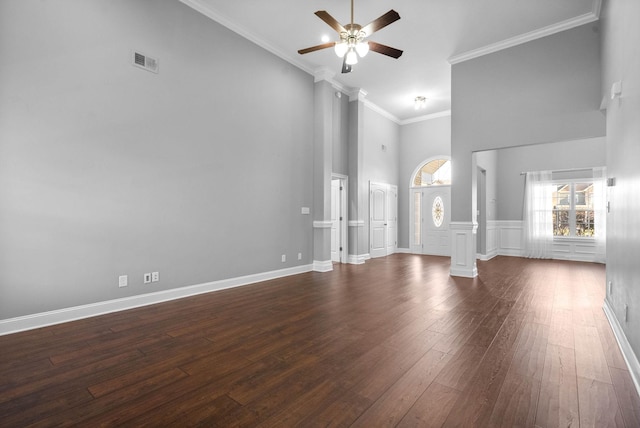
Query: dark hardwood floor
[(394, 342)]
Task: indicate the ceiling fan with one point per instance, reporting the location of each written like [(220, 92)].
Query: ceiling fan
[(352, 42)]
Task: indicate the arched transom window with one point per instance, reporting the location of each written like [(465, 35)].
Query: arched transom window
[(434, 173)]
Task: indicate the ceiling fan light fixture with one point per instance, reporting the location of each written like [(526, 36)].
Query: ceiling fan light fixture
[(341, 48), (362, 48), (352, 57)]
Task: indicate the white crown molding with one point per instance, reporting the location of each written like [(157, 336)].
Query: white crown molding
[(30, 322), (357, 94), (431, 116), (568, 24), (382, 112), (215, 15)]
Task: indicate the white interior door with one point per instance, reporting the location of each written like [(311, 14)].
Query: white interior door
[(392, 220), (335, 220), (430, 217), (378, 220)]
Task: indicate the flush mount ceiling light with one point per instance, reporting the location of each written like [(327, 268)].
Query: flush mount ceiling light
[(420, 102), (352, 44)]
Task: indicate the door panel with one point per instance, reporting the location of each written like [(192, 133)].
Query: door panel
[(430, 217), (392, 220), (436, 210), (335, 220), (378, 226)]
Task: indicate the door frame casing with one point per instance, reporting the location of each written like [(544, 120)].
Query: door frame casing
[(344, 236), (412, 189)]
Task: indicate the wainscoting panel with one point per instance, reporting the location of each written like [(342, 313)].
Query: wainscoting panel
[(509, 243)]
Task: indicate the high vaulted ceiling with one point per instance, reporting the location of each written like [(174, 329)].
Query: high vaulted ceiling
[(432, 33)]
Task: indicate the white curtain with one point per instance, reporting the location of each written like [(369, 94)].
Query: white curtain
[(600, 212), (537, 234)]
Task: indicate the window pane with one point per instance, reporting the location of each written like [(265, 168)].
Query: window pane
[(434, 173), (417, 218), (585, 224), (437, 211), (561, 208), (560, 223)]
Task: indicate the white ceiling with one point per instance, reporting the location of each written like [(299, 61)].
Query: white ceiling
[(432, 33)]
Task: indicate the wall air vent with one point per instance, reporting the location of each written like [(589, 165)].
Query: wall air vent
[(146, 62)]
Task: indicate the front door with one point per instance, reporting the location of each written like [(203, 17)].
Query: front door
[(431, 214)]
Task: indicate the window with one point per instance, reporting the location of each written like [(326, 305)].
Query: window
[(434, 173), (437, 211), (573, 209)]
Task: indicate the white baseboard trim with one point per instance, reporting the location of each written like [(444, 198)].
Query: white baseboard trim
[(627, 352), (358, 259), (403, 250), (488, 256), (464, 272), (322, 266), (30, 322)]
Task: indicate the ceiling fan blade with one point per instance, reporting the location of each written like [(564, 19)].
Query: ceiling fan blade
[(346, 68), (330, 20), (377, 24), (385, 50), (316, 48)]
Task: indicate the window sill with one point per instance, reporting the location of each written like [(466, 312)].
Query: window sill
[(574, 239)]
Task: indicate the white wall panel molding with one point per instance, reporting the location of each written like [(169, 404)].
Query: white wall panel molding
[(509, 237), (29, 322), (463, 249), (509, 243), (356, 223)]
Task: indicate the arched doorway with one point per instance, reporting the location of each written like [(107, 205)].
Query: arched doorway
[(430, 210)]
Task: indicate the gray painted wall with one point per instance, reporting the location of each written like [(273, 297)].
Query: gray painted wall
[(340, 163), (488, 161), (380, 165), (418, 142), (198, 172), (569, 154), (621, 61), (546, 90)]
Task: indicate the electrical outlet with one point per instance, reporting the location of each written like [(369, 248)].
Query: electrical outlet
[(123, 281), (299, 256), (155, 276), (284, 258), (147, 278)]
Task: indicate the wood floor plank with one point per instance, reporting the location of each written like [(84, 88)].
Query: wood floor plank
[(431, 408), (558, 401), (393, 342), (396, 401), (598, 404), (591, 362), (627, 396), (517, 402)]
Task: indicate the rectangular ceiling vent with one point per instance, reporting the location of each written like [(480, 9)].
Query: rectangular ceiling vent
[(146, 62)]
